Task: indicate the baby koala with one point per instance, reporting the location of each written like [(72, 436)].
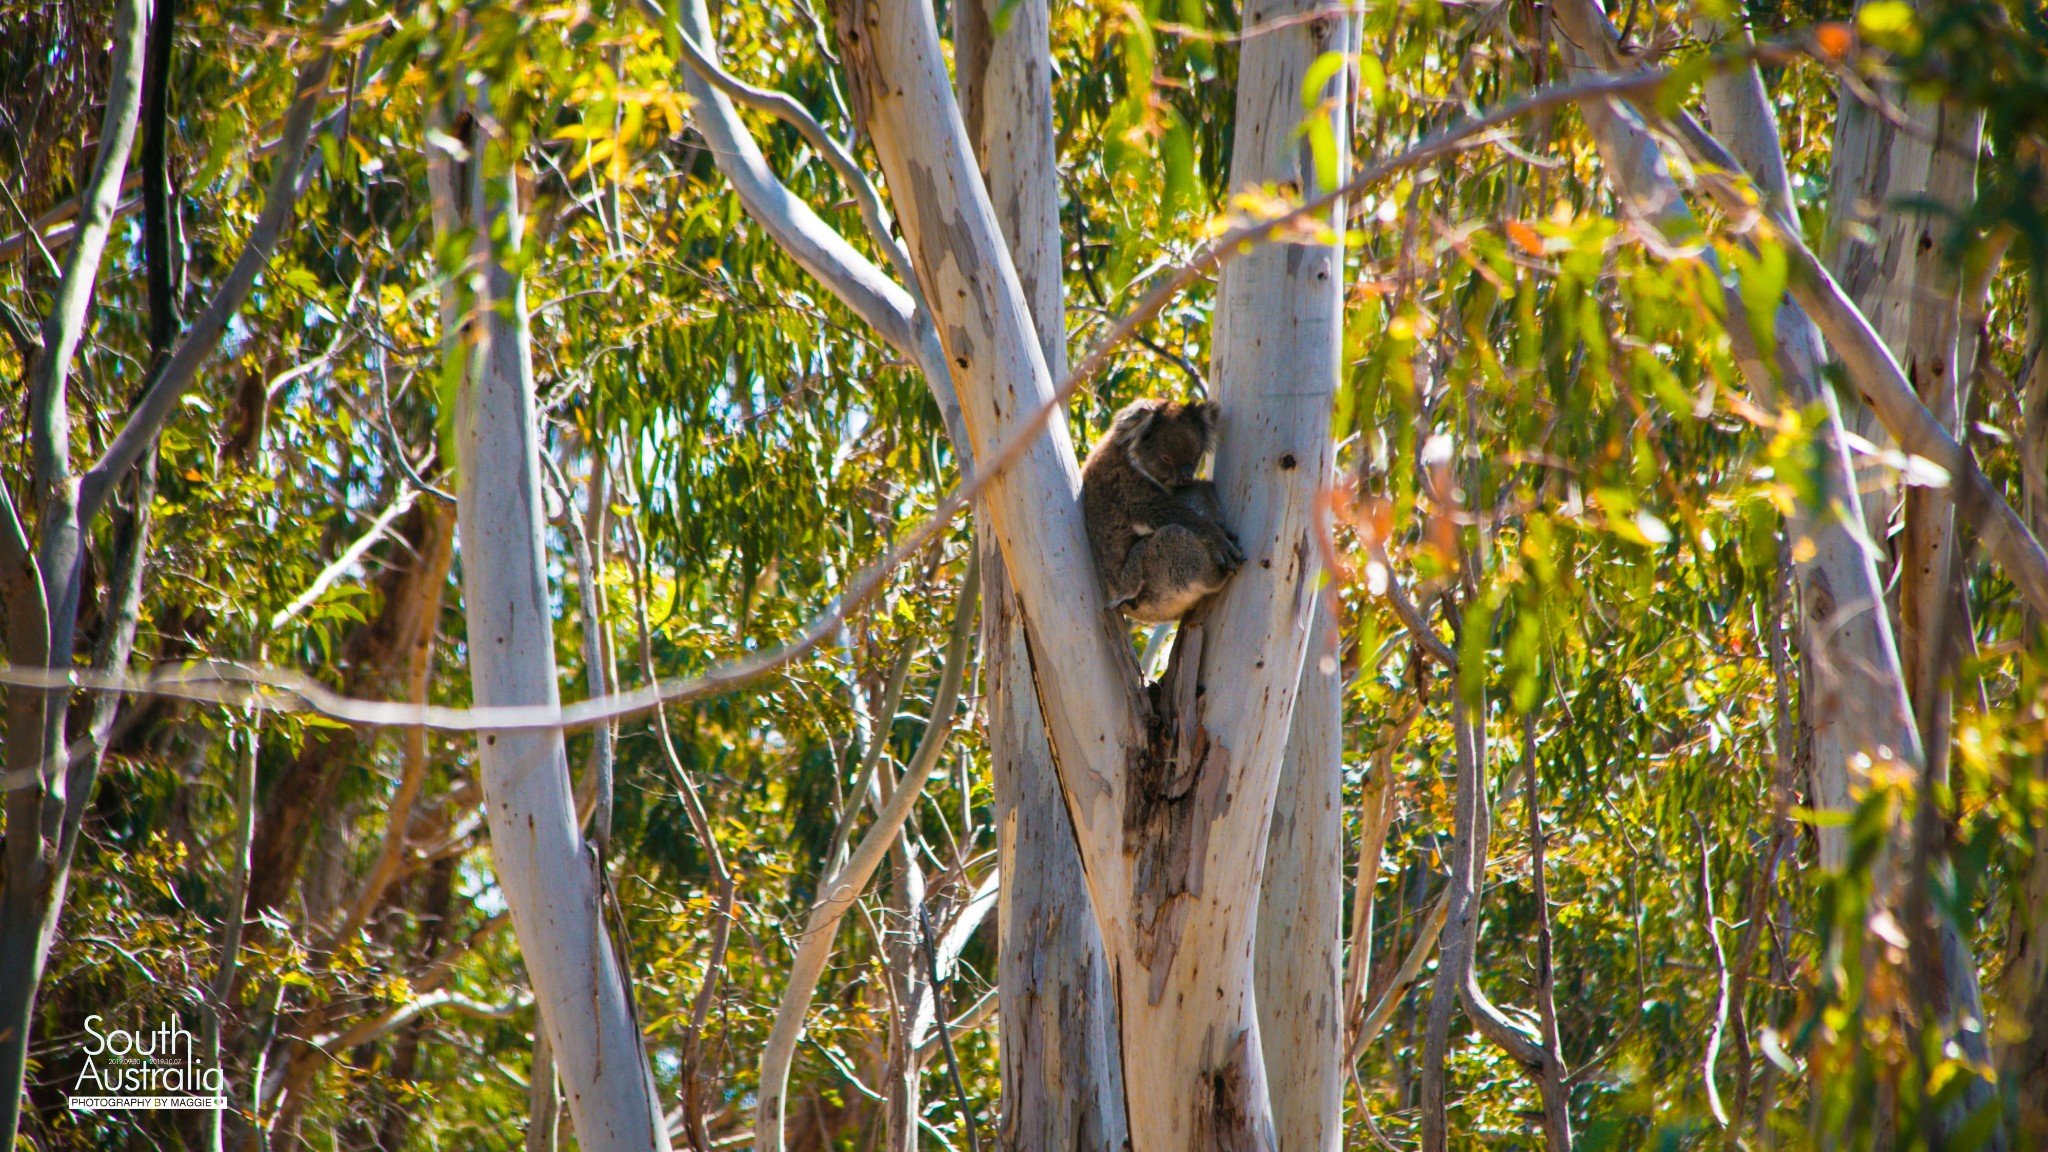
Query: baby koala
[(1156, 531)]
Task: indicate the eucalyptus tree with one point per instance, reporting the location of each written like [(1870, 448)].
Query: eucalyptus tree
[(50, 769), (1625, 408), (1170, 787)]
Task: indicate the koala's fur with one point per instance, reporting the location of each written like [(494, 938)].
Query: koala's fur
[(1156, 531)]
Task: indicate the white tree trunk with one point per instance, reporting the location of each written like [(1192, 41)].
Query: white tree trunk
[(1852, 707), (547, 873), (1301, 903), (1856, 695), (1062, 1086), (1903, 280), (1062, 1082), (1890, 257), (1171, 789), (1916, 309), (1301, 917), (1277, 355)]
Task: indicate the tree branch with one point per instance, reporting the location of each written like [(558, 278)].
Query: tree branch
[(347, 559), (887, 307), (1872, 368), (49, 423), (284, 690), (206, 332), (1411, 967), (688, 1056), (839, 893), (1557, 1120), (1454, 966), (785, 108), (1412, 618)]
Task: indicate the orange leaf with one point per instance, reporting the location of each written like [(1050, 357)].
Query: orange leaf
[(1834, 40), (1525, 238)]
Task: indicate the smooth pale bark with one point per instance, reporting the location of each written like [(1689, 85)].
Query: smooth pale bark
[(1062, 1083), (902, 1082), (883, 304), (1891, 257), (543, 866), (1856, 702), (1171, 813), (1876, 254), (1924, 324), (1741, 113), (1276, 360), (1375, 817), (1062, 1086), (1299, 960), (1061, 1080), (543, 1097), (1871, 368), (230, 950), (1301, 915), (1902, 278), (1280, 323)]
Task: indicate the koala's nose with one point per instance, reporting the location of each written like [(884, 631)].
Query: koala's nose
[(1187, 473)]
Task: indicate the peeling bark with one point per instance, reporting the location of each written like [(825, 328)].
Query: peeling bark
[(1177, 923)]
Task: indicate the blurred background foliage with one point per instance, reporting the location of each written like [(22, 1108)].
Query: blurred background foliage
[(744, 446)]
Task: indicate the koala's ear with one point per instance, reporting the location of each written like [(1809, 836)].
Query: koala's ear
[(1205, 413), (1136, 419)]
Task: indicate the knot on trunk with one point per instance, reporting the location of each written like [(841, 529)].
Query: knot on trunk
[(1223, 1108)]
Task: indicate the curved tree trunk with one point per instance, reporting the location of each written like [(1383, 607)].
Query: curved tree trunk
[(1903, 279), (548, 875), (1061, 1084), (1914, 305), (39, 596), (1855, 690), (1891, 257)]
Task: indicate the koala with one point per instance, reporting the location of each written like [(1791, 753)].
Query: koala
[(1156, 531)]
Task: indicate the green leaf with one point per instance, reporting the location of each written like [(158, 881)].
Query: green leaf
[(1180, 192), (1315, 83), (1889, 24)]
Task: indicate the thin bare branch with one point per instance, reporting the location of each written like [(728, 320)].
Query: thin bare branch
[(1411, 967), (1713, 1052), (1418, 627), (348, 558)]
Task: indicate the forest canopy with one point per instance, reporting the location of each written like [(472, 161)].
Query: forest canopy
[(547, 603)]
